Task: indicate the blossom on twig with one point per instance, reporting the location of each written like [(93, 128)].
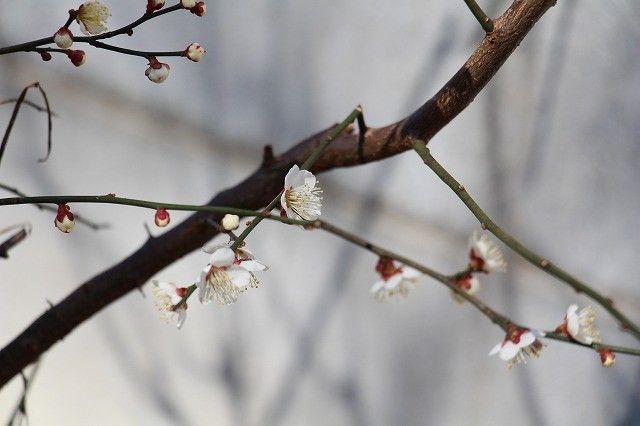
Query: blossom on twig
[(227, 274), (580, 326), (92, 17), (195, 52), (484, 255), (157, 71), (166, 296), (518, 343), (395, 279), (301, 198), (63, 38), (607, 357)]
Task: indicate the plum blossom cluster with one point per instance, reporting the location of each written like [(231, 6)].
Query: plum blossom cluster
[(484, 258), (92, 19), (395, 279)]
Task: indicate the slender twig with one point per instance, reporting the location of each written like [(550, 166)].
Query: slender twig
[(21, 406), (28, 103), (483, 19), (132, 52), (127, 29), (490, 313), (78, 218), (540, 262), (313, 157)]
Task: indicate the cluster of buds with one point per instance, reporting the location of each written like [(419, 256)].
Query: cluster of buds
[(92, 18)]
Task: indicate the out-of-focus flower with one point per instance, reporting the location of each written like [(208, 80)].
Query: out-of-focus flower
[(63, 38), (154, 5), (301, 198), (395, 279), (92, 17), (77, 57), (607, 357), (484, 255), (188, 4), (166, 297), (518, 343), (199, 9), (195, 52), (157, 71), (64, 220), (162, 218), (468, 282), (580, 326), (230, 222), (228, 274)]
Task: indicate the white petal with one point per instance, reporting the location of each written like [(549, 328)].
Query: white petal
[(240, 277), (223, 256), (211, 247), (309, 178), (291, 179), (410, 273), (526, 339), (509, 350), (377, 286), (182, 316), (393, 281), (253, 265), (495, 349), (573, 325)]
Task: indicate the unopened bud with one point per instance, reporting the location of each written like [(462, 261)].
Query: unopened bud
[(188, 4), (64, 220), (154, 5), (194, 52), (63, 38), (157, 71), (230, 222), (46, 56), (199, 9), (607, 357), (162, 218), (77, 57)]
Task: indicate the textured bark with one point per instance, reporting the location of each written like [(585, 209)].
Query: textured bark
[(260, 187)]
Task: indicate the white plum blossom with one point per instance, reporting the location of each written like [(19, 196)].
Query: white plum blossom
[(518, 343), (92, 17), (484, 255), (195, 52), (63, 38), (157, 71), (64, 221), (227, 274), (581, 325), (166, 296), (468, 282), (230, 222), (394, 280), (301, 198)]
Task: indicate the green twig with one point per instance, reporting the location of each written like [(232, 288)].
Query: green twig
[(485, 21), (423, 151)]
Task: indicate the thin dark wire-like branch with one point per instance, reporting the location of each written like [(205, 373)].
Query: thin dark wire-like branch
[(28, 103), (483, 19), (132, 52), (538, 261), (27, 382)]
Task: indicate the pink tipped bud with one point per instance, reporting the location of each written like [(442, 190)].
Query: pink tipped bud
[(194, 52), (77, 57), (607, 357), (162, 218), (64, 220), (63, 38), (46, 56), (157, 71), (188, 4), (199, 9), (154, 5)]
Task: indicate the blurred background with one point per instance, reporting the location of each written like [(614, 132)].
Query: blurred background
[(550, 149)]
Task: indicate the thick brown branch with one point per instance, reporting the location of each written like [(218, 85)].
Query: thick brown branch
[(259, 188)]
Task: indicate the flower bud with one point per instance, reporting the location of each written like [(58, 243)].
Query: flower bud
[(162, 218), (188, 4), (194, 52), (77, 57), (154, 5), (607, 357), (64, 220), (63, 38), (199, 9), (157, 71), (46, 56), (230, 222)]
